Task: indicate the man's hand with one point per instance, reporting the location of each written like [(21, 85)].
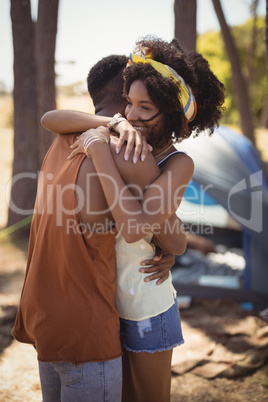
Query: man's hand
[(134, 140), (160, 266)]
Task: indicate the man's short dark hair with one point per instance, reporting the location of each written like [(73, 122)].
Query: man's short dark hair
[(105, 79)]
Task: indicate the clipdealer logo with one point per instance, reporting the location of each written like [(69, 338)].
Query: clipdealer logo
[(252, 185), (255, 220)]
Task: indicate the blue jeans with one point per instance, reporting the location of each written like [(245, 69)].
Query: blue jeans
[(86, 382)]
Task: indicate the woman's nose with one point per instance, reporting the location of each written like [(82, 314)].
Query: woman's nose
[(131, 114)]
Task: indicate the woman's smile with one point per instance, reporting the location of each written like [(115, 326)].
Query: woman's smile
[(142, 112), (138, 128)]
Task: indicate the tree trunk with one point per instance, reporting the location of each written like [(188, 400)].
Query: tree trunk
[(34, 93), (238, 79), (185, 23), (266, 36), (45, 34), (25, 165), (264, 112), (252, 47)]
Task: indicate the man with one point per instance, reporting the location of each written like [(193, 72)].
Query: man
[(67, 308)]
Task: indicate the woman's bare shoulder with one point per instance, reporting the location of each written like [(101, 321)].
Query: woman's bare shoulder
[(181, 168), (180, 159)]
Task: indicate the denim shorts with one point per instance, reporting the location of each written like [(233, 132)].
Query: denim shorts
[(154, 334)]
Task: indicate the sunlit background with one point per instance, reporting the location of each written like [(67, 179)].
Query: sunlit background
[(90, 29)]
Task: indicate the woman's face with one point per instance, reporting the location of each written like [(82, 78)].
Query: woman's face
[(143, 114)]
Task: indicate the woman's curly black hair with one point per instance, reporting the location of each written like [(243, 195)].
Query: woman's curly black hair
[(209, 92)]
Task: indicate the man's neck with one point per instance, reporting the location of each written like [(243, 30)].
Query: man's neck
[(109, 110)]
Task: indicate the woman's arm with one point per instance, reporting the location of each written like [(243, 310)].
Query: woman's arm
[(171, 236), (71, 121), (136, 218)]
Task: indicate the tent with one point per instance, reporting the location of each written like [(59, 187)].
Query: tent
[(229, 180)]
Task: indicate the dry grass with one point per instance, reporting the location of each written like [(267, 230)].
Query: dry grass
[(190, 388), (6, 156), (19, 370)]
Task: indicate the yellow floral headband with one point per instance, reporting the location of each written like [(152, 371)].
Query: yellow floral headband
[(143, 55)]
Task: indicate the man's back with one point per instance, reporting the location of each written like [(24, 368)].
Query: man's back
[(67, 308)]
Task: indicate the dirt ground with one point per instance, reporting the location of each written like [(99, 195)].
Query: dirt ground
[(224, 358)]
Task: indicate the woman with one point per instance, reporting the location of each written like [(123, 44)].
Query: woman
[(163, 108)]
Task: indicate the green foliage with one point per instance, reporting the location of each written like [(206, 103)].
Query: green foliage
[(211, 46)]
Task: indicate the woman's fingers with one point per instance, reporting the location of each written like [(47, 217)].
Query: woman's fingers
[(135, 141), (122, 139), (74, 145), (72, 154), (77, 147), (138, 147), (145, 149), (131, 140)]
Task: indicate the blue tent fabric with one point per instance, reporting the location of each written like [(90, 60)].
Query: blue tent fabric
[(229, 167), (244, 149), (205, 198)]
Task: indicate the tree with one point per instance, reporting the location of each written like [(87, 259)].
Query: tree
[(185, 23), (264, 115), (252, 47), (266, 36), (32, 45), (45, 42), (25, 162), (211, 46), (248, 36), (238, 78)]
